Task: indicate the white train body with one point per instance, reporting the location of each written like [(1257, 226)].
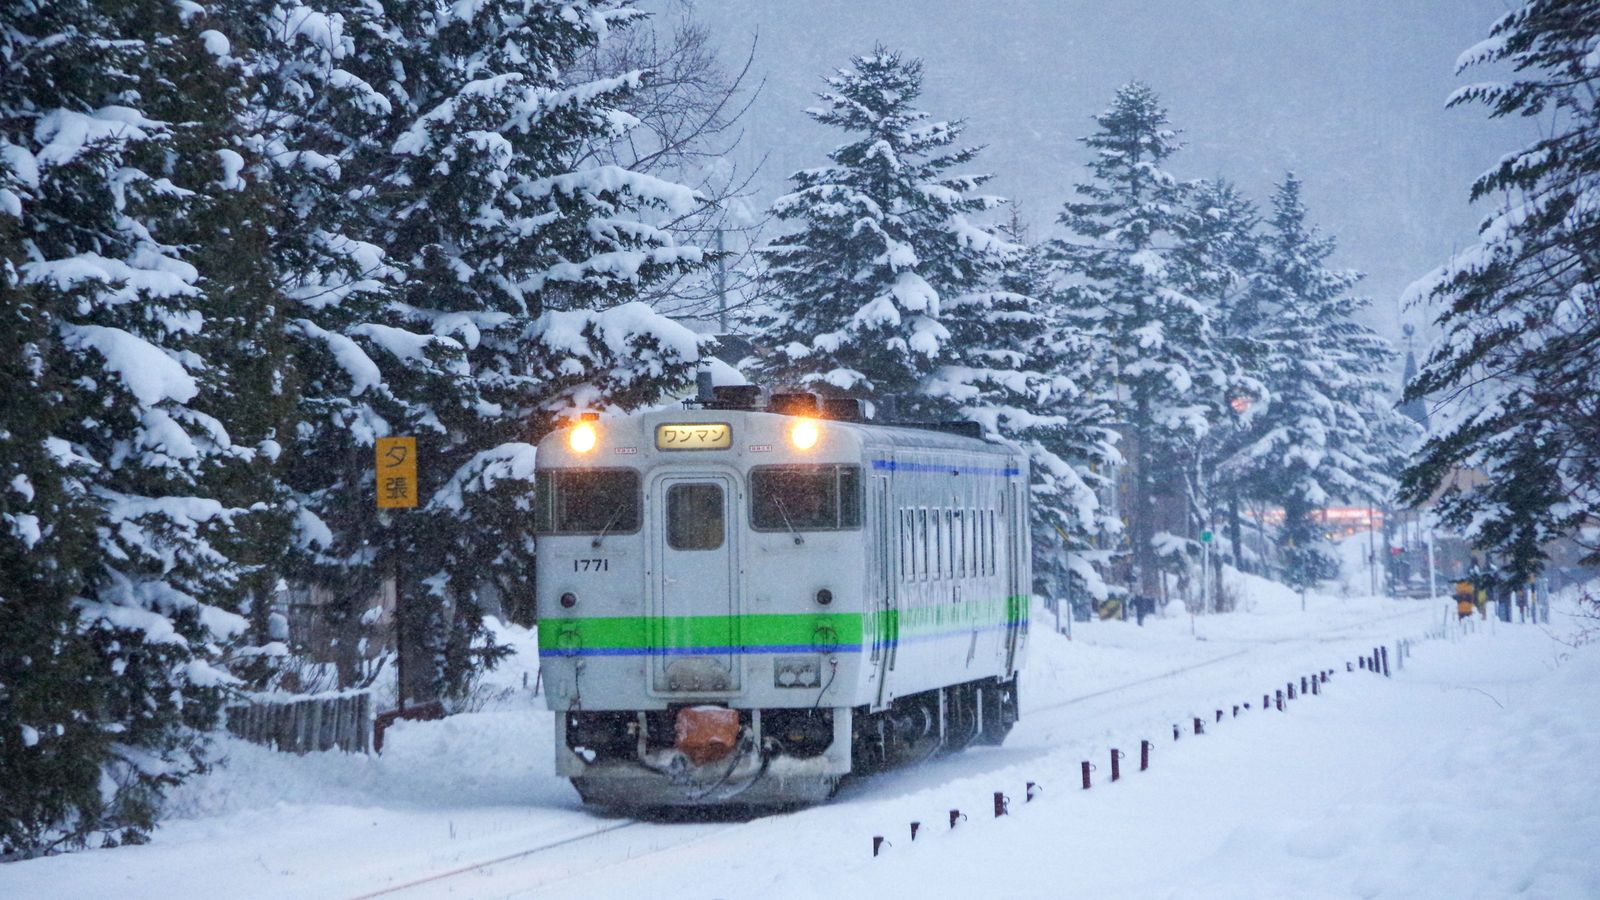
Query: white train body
[(852, 604)]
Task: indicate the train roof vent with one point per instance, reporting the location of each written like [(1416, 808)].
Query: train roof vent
[(734, 396), (844, 409), (794, 403)]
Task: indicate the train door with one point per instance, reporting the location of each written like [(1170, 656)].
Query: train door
[(881, 581), (694, 627)]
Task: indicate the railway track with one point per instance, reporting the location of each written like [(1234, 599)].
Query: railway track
[(664, 839)]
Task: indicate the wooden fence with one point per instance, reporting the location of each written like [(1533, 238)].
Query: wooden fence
[(304, 723)]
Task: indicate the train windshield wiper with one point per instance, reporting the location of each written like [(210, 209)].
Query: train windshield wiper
[(778, 502), (606, 529)]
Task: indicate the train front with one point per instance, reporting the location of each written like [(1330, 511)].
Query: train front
[(699, 585)]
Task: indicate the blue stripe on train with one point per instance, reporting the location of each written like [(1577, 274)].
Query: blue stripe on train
[(889, 465)]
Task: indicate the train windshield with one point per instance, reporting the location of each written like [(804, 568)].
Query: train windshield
[(586, 501), (805, 498)]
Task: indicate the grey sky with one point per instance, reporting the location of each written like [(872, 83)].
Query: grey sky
[(1348, 93)]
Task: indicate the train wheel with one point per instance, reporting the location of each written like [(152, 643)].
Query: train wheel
[(1000, 709)]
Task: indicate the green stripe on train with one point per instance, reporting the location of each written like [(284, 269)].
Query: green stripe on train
[(775, 629)]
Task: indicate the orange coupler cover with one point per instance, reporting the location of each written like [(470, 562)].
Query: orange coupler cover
[(707, 733)]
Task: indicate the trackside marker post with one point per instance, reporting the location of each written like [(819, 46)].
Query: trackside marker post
[(1002, 804), (1144, 755), (878, 843), (1086, 768), (1116, 768), (1032, 791), (915, 827)]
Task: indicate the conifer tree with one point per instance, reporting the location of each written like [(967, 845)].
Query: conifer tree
[(310, 127), (114, 158), (882, 235), (1028, 375), (1319, 439), (517, 275), (1126, 287), (1218, 256), (1515, 391)]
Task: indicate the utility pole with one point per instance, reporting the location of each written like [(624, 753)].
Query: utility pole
[(1372, 551), (1432, 584)]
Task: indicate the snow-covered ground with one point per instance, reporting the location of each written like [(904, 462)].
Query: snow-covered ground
[(1472, 772)]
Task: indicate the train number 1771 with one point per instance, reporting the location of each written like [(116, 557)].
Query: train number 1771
[(591, 565)]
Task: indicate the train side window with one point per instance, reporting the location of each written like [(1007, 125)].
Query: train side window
[(991, 542), (922, 540), (976, 518), (939, 551), (969, 538), (972, 535), (695, 517), (906, 545), (586, 501), (977, 541), (959, 518)]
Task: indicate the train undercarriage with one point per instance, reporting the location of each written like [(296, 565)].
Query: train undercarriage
[(716, 756)]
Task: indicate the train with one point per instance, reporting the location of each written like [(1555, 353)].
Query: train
[(749, 598)]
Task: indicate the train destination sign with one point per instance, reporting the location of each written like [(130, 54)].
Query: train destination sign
[(695, 436)]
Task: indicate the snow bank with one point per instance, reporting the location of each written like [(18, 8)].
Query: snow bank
[(1464, 775)]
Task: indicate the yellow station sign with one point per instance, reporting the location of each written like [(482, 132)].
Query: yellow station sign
[(397, 472)]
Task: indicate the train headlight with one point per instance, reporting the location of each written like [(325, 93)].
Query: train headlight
[(824, 597), (583, 437), (804, 434), (569, 600)]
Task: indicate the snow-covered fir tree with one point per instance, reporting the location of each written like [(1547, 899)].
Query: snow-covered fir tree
[(882, 233), (1123, 284), (1029, 375), (115, 156), (892, 287), (1318, 439), (517, 272), (1514, 388), (1217, 259), (308, 125)]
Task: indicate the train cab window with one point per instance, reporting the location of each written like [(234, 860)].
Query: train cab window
[(695, 518), (805, 498), (586, 501)]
